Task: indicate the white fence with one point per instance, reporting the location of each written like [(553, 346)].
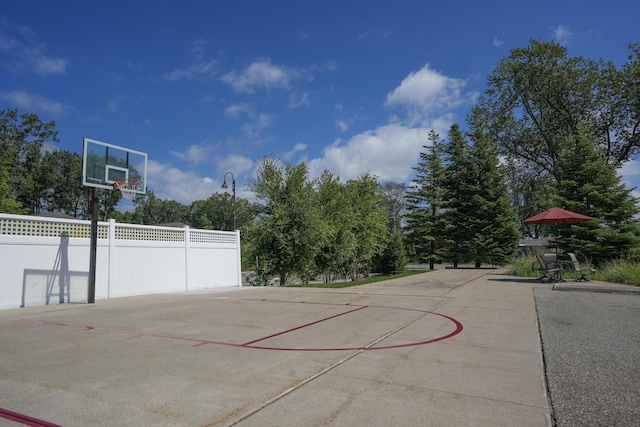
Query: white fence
[(46, 260)]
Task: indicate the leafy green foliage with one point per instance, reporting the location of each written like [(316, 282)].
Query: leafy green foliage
[(286, 236), (60, 183), (309, 227), (21, 141), (338, 242), (564, 125), (619, 271), (153, 211), (370, 222), (393, 257), (363, 281), (8, 204)]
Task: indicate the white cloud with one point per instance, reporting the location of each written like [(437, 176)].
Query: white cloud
[(235, 164), (296, 149), (207, 98), (562, 35), (342, 124), (498, 41), (427, 95), (195, 71), (172, 183), (299, 99), (392, 150), (194, 154), (23, 53), (258, 121), (114, 105), (28, 101), (236, 111), (168, 182), (255, 128), (428, 91), (263, 74), (389, 152), (44, 65), (630, 173)]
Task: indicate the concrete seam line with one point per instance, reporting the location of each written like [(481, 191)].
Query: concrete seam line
[(324, 371)]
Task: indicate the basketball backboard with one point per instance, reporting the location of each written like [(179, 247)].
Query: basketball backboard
[(104, 163)]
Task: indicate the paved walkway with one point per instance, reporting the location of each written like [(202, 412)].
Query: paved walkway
[(443, 348)]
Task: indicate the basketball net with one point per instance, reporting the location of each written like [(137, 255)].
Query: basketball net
[(127, 187)]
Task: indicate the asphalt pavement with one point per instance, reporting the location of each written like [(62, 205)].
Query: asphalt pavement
[(591, 342)]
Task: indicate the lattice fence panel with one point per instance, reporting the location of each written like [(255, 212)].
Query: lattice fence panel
[(211, 237), (48, 229), (135, 233)]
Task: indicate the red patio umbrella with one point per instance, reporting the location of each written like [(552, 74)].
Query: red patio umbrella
[(557, 216)]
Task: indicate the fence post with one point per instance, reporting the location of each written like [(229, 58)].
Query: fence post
[(111, 275), (187, 249), (239, 258)]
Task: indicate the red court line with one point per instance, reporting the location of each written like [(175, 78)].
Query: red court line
[(25, 419), (456, 331), (302, 326), (200, 342)]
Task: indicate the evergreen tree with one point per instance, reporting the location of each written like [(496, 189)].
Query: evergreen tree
[(393, 256), (459, 203), (493, 222), (591, 186), (425, 200)]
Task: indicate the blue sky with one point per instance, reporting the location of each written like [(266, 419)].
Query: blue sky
[(209, 87)]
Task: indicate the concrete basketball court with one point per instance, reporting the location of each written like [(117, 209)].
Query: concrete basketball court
[(442, 348)]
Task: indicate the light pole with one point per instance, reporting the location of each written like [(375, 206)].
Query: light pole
[(233, 190)]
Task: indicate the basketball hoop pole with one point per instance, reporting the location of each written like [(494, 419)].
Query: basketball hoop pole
[(91, 297)]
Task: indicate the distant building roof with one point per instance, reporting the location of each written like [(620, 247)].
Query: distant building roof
[(173, 224), (56, 215), (534, 242)]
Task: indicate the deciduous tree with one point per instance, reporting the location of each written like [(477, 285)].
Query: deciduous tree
[(22, 137), (286, 235)]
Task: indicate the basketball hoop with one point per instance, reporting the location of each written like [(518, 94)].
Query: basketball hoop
[(128, 187)]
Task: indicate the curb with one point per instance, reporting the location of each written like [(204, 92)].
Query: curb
[(598, 287)]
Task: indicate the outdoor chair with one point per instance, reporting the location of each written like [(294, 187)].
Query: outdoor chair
[(579, 270), (549, 268)]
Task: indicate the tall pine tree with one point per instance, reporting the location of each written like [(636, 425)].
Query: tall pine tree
[(425, 200), (590, 185), (493, 222), (459, 204)]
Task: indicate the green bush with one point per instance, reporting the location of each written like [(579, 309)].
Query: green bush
[(522, 266), (392, 258), (619, 271)]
